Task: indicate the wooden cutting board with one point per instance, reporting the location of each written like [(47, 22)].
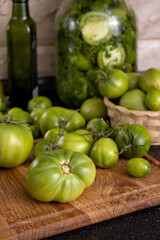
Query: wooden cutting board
[(113, 193)]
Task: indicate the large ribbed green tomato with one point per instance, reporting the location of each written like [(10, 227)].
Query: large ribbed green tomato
[(16, 142), (61, 176), (60, 117)]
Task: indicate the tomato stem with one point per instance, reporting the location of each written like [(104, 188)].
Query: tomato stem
[(66, 168), (50, 147), (11, 120)]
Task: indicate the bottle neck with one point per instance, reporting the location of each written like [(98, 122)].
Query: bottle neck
[(20, 10)]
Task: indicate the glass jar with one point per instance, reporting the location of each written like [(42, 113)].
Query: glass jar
[(92, 35)]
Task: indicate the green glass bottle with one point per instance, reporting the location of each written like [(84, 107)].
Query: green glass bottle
[(21, 54)]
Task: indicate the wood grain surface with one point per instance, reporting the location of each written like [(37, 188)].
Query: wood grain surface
[(112, 194)]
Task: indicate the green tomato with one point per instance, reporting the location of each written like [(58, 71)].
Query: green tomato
[(97, 126), (54, 134), (76, 121), (16, 143), (93, 108), (152, 99), (75, 143), (60, 177), (36, 115), (138, 167), (59, 117), (149, 79), (22, 116), (39, 102), (114, 85), (81, 62), (43, 147), (134, 100), (14, 109), (104, 153), (85, 133), (136, 138), (133, 80)]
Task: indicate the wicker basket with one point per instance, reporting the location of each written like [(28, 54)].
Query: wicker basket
[(148, 119)]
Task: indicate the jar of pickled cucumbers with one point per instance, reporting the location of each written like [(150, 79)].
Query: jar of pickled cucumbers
[(92, 35)]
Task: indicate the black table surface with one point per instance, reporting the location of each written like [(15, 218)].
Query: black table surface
[(139, 225)]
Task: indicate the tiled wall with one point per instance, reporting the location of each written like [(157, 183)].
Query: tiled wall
[(43, 12)]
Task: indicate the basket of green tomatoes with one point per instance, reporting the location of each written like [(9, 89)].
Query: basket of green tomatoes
[(133, 98)]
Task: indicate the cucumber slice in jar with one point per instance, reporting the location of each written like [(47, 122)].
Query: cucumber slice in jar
[(111, 56), (94, 27)]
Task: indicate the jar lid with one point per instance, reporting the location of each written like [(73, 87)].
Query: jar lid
[(20, 1)]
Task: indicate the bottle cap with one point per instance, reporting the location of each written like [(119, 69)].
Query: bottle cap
[(19, 1)]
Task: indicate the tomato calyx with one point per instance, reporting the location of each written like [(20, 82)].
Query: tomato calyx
[(66, 168), (129, 141), (97, 128), (50, 147)]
